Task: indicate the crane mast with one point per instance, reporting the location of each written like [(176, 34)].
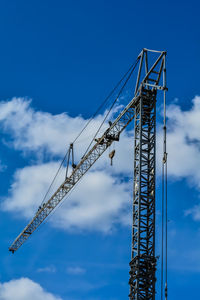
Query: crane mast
[(143, 262), (141, 109)]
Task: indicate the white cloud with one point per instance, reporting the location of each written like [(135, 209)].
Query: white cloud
[(49, 269), (30, 130), (29, 187), (24, 289), (42, 133), (38, 131), (194, 212), (99, 201), (183, 146), (183, 142), (3, 167), (75, 270)]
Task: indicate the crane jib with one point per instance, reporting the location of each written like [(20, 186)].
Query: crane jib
[(110, 135)]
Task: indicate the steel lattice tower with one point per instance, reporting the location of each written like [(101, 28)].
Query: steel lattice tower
[(143, 263)]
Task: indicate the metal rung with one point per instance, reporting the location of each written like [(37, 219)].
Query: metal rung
[(155, 72), (157, 86), (150, 79)]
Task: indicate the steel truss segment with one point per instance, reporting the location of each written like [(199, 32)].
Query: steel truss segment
[(110, 135), (150, 76), (143, 262)]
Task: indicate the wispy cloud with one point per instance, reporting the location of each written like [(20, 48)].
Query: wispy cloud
[(3, 167), (194, 212), (76, 271), (49, 269)]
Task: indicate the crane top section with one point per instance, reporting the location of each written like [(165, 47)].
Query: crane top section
[(151, 76)]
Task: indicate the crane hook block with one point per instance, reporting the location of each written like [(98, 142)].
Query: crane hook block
[(111, 155)]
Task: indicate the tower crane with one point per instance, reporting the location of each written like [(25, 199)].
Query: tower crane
[(151, 77)]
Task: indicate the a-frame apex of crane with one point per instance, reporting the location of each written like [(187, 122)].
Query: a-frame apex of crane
[(151, 77)]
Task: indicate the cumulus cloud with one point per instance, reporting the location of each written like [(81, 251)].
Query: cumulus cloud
[(24, 289), (183, 147), (29, 187), (183, 142), (42, 133), (37, 131), (102, 199), (99, 202)]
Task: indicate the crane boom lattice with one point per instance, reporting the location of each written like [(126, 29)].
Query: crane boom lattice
[(110, 135)]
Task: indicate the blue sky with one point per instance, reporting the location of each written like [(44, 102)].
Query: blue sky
[(58, 61)]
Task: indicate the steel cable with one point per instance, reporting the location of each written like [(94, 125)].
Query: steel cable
[(131, 69), (118, 95)]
